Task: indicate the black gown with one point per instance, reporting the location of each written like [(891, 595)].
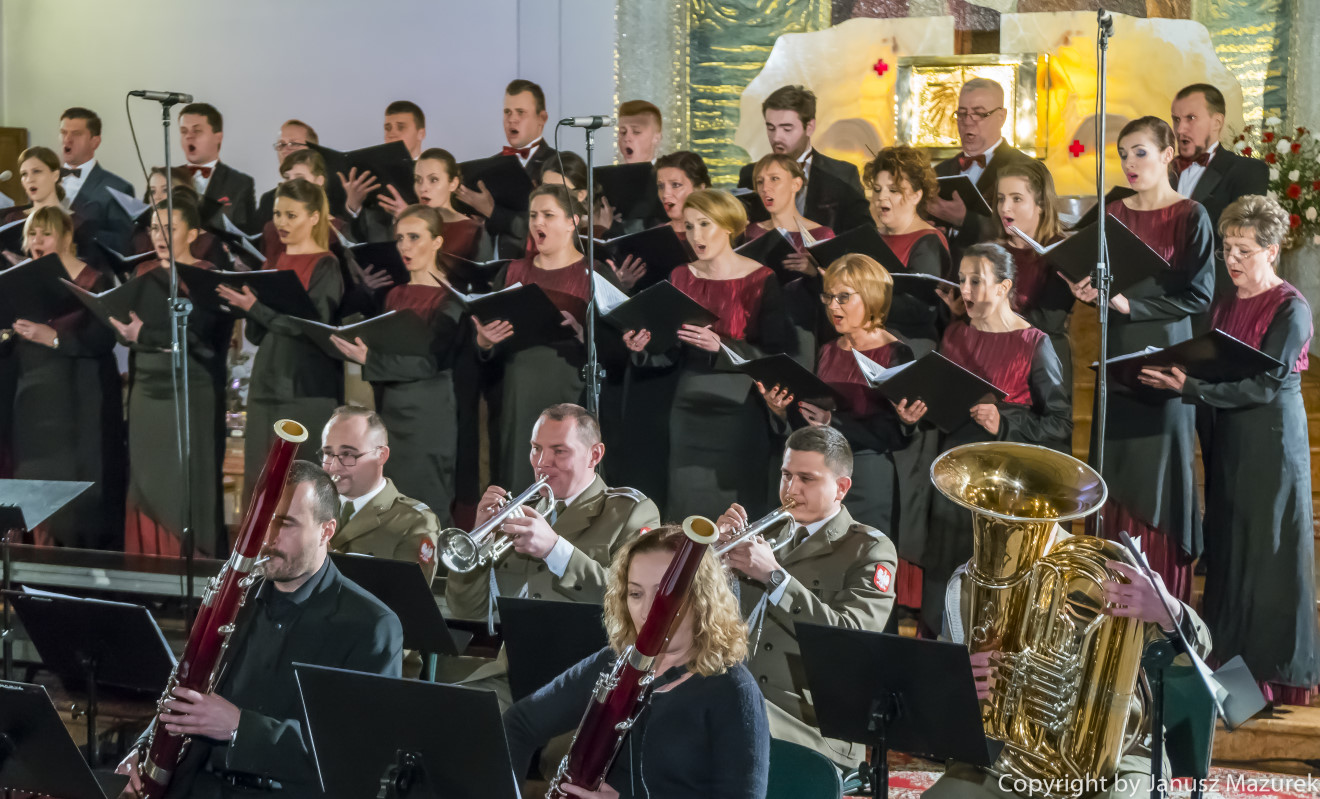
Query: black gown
[(1037, 410), (920, 324), (1042, 297), (1259, 547), (719, 430), (1151, 435), (415, 399), (69, 423)]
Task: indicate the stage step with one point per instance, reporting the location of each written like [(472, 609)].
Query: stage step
[(1286, 741)]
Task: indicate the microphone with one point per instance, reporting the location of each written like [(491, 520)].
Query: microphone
[(590, 123), (8, 174), (1105, 21), (168, 98)]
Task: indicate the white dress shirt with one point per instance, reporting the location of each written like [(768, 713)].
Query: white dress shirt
[(1190, 176), (361, 502), (73, 184), (531, 151), (556, 560), (200, 183), (812, 529), (975, 171)]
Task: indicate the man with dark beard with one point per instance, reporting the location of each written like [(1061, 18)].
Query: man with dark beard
[(248, 734)]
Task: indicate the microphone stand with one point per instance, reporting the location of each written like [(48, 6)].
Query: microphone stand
[(591, 371), (1104, 30), (180, 308)]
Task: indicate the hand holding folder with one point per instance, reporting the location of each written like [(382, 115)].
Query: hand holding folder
[(948, 390), (393, 332), (1131, 260), (660, 310), (780, 371), (1213, 357), (659, 248), (531, 316), (147, 296), (279, 289)]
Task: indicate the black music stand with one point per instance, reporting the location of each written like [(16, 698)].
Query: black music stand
[(396, 738), (91, 644), (24, 504), (542, 639), (402, 586), (892, 692), (37, 755)]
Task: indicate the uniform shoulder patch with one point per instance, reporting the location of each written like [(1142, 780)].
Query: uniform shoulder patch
[(625, 492), (426, 552), (882, 579)]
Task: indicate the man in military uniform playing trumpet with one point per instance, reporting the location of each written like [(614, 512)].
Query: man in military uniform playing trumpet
[(832, 570), (561, 551)]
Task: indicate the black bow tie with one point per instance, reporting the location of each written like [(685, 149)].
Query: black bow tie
[(71, 171)]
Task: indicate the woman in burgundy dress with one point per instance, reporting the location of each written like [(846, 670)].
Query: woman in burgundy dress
[(153, 522), (677, 175), (1025, 199), (415, 393), (1151, 434), (900, 178), (68, 407), (539, 374), (1260, 552), (778, 180), (39, 174), (857, 299), (1003, 349), (719, 438), (291, 377)]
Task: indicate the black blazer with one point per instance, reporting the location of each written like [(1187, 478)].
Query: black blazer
[(341, 625), (237, 196), (976, 228), (1227, 177), (835, 197), (508, 228), (265, 209), (101, 217)]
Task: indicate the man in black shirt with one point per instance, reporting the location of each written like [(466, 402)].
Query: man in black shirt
[(249, 733)]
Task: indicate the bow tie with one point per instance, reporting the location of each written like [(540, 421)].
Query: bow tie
[(965, 161), (1182, 162), (521, 152), (71, 172), (204, 171)]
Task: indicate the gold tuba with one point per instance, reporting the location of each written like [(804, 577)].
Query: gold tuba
[(1067, 671)]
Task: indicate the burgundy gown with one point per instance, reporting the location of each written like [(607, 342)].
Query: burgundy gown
[(919, 323), (1043, 298), (1150, 434), (1259, 543)]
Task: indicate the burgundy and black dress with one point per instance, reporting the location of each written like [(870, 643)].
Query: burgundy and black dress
[(719, 436), (1042, 297), (802, 292), (68, 422), (1037, 410), (1150, 434), (919, 323), (153, 521), (415, 398), (537, 374), (1259, 548)]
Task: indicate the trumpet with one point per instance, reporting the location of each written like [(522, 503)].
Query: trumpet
[(759, 526), (464, 552)]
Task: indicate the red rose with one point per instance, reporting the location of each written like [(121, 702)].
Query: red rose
[(1294, 191), (1315, 185), (1294, 220), (1296, 147), (1246, 151), (1268, 136), (1271, 158)]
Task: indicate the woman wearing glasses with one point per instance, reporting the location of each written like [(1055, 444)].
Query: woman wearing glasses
[(1258, 520), (1150, 434)]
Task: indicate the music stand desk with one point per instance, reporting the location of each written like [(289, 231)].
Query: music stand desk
[(37, 755)]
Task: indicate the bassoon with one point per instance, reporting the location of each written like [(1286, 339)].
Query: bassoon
[(622, 692), (199, 667)]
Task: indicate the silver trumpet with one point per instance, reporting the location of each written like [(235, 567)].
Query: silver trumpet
[(754, 529), (486, 545)]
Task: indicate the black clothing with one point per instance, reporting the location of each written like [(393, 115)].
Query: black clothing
[(834, 193), (236, 194), (976, 228), (707, 737)]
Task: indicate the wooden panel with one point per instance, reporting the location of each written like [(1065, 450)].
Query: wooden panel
[(12, 142)]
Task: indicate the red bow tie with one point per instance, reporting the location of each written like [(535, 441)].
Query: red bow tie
[(204, 171), (521, 152), (1183, 162), (965, 161)]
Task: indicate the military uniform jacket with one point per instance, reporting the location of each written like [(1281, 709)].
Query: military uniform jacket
[(843, 575), (597, 523), (392, 526)]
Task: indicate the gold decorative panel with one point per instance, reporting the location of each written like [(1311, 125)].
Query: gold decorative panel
[(927, 96)]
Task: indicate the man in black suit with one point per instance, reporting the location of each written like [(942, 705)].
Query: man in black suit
[(1212, 175), (981, 116), (404, 122), (201, 132), (294, 135), (248, 734), (87, 183), (833, 196), (524, 121)]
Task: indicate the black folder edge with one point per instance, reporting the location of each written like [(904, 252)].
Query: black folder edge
[(33, 270), (966, 189), (770, 249), (1080, 248), (575, 621), (100, 305), (202, 283), (801, 383), (530, 297), (366, 571), (865, 240), (892, 395), (658, 293), (389, 325), (497, 172), (617, 181), (1169, 356)]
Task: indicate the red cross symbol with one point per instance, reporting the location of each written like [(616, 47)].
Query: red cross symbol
[(1076, 148), (880, 67)]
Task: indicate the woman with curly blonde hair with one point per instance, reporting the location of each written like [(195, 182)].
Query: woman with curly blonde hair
[(704, 732)]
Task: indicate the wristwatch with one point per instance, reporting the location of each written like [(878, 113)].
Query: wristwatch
[(777, 578)]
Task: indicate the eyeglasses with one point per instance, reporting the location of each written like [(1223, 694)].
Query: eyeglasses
[(842, 299), (977, 116), (346, 459), (287, 145), (1238, 255)]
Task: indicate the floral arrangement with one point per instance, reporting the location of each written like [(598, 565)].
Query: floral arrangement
[(1293, 156)]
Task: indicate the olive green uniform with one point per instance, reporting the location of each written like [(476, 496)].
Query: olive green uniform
[(391, 526)]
